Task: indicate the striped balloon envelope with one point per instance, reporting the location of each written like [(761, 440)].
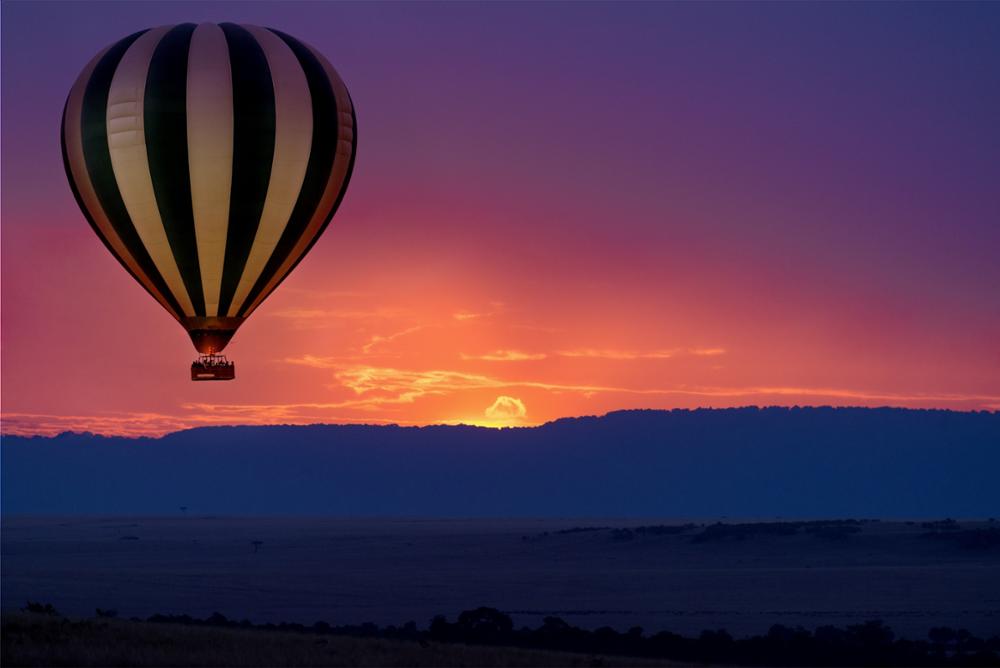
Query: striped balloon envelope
[(209, 159)]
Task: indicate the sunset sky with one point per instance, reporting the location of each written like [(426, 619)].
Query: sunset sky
[(557, 209)]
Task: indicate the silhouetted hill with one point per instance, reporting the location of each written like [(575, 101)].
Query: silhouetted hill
[(748, 462)]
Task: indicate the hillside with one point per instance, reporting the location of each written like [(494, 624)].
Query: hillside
[(798, 462)]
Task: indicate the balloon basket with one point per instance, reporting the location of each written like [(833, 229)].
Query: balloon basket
[(212, 367)]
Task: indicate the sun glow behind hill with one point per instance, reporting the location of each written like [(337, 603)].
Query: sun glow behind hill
[(416, 363)]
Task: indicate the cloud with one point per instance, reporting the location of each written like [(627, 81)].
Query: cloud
[(301, 313), (341, 314), (118, 424), (327, 294), (137, 423), (363, 379), (405, 385), (537, 328), (387, 385), (825, 392), (505, 356), (378, 339), (617, 354), (318, 318), (506, 408), (464, 315), (707, 352)]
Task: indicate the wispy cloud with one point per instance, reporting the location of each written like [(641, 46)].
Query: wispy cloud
[(611, 354), (707, 352), (830, 392), (327, 294), (619, 354), (462, 316), (505, 356), (314, 317), (533, 327), (375, 386), (290, 413), (337, 314), (408, 384), (466, 315), (315, 361), (363, 379), (379, 339), (301, 313), (191, 415), (120, 424), (405, 385)]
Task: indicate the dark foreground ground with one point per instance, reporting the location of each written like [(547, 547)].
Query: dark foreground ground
[(480, 637), (660, 575), (37, 640)]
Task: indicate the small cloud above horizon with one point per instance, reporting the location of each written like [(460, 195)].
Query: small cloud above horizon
[(617, 354), (465, 315), (506, 408), (707, 352), (505, 356)]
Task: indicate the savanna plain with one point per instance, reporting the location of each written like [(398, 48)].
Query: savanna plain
[(682, 576)]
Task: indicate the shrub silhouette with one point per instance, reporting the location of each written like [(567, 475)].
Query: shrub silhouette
[(484, 625), (40, 609)]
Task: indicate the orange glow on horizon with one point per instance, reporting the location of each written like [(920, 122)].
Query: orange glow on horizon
[(362, 356)]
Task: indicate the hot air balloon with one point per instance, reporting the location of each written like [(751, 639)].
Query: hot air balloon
[(209, 159)]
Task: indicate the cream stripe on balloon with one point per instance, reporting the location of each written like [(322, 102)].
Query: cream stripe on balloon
[(210, 152), (292, 145), (73, 137), (127, 143), (334, 185)]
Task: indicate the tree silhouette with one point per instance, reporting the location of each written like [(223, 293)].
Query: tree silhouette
[(484, 624)]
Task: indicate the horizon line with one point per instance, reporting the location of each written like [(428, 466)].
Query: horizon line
[(5, 433)]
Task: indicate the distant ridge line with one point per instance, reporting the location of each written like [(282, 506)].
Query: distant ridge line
[(750, 409)]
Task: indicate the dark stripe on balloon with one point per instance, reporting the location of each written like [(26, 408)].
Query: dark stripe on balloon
[(90, 218), (97, 155), (321, 156), (333, 209), (165, 122), (253, 151), (340, 196)]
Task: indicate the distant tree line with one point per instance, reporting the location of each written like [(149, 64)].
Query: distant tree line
[(942, 530), (869, 644)]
